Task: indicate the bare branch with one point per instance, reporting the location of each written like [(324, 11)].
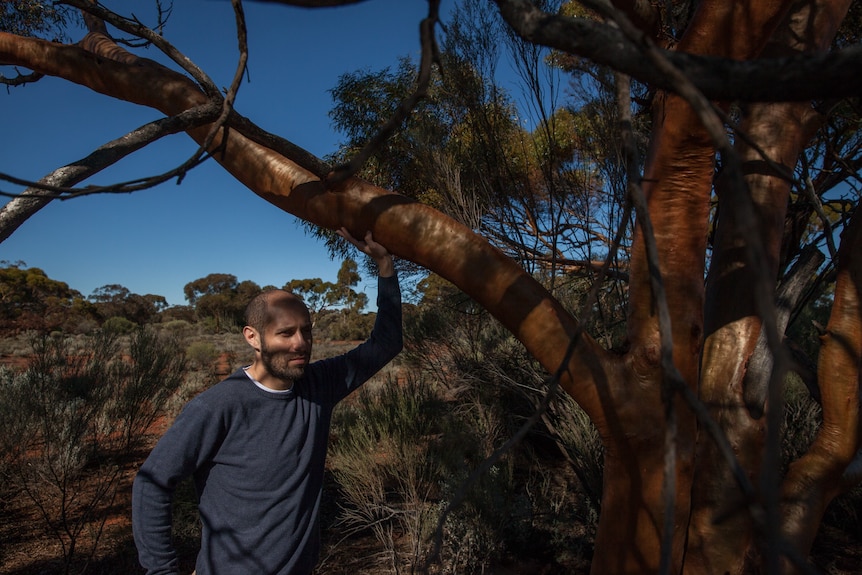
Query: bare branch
[(803, 77), (137, 29), (57, 185), (286, 148), (812, 196), (21, 79), (430, 56), (46, 189)]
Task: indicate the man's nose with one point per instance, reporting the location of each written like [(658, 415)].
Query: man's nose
[(301, 341)]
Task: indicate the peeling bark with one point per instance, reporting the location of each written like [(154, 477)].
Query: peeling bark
[(818, 476), (722, 533), (678, 183)]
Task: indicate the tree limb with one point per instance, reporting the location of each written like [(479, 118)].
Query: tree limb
[(60, 182), (802, 77)]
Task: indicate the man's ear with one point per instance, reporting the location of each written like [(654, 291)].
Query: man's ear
[(251, 337)]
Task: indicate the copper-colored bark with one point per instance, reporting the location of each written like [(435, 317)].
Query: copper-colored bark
[(817, 477), (678, 184), (721, 531)]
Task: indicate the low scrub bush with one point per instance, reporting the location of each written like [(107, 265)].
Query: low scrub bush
[(541, 497), (119, 325), (69, 418), (202, 354), (383, 457), (143, 385), (179, 328)]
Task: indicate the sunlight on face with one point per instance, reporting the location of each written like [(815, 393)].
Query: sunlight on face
[(285, 345)]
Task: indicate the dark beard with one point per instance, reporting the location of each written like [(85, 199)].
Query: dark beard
[(277, 364)]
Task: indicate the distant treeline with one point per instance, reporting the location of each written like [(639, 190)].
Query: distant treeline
[(31, 301)]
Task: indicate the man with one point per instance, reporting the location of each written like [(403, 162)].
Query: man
[(256, 442)]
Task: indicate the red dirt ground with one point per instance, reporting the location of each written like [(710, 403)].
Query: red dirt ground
[(26, 548)]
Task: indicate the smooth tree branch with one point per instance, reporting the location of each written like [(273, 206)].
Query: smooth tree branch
[(96, 16)]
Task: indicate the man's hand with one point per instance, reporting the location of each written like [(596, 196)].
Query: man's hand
[(385, 266)]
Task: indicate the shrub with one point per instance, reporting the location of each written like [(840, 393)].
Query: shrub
[(67, 420), (386, 460), (85, 326), (143, 384), (57, 403), (180, 328), (802, 419), (202, 354), (541, 496), (343, 325), (119, 325)]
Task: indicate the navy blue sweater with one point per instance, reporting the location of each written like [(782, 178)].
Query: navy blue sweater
[(257, 459)]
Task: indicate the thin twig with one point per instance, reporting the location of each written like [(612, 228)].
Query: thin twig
[(20, 79), (586, 311), (137, 29), (429, 56), (115, 150)]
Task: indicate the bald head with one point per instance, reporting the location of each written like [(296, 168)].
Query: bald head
[(259, 312)]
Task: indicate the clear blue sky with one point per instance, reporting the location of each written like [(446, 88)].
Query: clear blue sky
[(156, 241)]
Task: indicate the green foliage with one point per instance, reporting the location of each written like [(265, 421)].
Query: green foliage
[(36, 18), (143, 384), (29, 299), (186, 528), (343, 294), (178, 327), (316, 293), (802, 419), (439, 128), (319, 295), (221, 299), (497, 386), (213, 284), (183, 313), (222, 322), (343, 325), (382, 462), (114, 300), (404, 450), (119, 325), (58, 402), (202, 354), (534, 179)]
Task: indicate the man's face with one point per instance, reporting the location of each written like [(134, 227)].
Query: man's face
[(285, 345)]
